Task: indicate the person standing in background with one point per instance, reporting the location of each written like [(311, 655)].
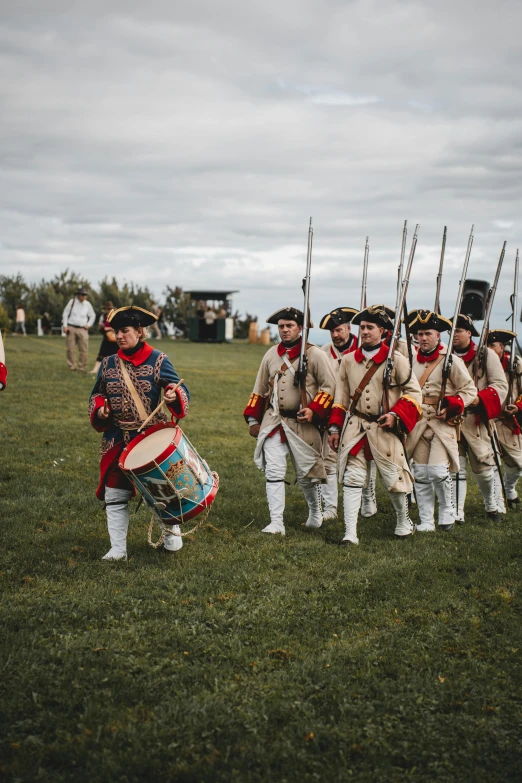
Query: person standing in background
[(20, 320), (77, 319)]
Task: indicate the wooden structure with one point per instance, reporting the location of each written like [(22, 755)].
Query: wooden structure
[(206, 329)]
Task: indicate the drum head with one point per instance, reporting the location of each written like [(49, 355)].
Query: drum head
[(149, 448)]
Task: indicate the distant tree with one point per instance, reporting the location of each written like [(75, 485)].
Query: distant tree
[(13, 290), (176, 307), (241, 324), (4, 318)]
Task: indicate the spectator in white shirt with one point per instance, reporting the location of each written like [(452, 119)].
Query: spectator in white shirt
[(20, 320), (77, 318)]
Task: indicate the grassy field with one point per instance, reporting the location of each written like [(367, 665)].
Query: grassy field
[(246, 657)]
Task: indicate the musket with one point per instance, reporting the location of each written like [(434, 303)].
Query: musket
[(436, 306), (480, 356), (514, 312), (300, 376), (389, 364), (448, 357), (365, 272), (401, 267)]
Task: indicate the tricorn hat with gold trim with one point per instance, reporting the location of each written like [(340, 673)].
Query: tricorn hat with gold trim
[(465, 322), (428, 319), (341, 315), (500, 336), (130, 316), (376, 314), (287, 314)]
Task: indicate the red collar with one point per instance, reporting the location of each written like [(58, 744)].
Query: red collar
[(293, 353), (350, 349), (139, 357), (431, 358), (470, 353), (505, 362), (378, 357)]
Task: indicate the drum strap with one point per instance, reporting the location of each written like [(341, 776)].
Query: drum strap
[(134, 394)]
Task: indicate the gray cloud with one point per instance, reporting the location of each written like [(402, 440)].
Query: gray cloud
[(187, 143)]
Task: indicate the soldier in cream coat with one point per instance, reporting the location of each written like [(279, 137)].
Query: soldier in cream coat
[(433, 444), (508, 423), (361, 432), (283, 427), (475, 441)]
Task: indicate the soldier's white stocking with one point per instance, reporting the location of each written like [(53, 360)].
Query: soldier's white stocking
[(511, 476), (404, 526), (440, 476), (461, 479), (172, 541), (117, 507), (275, 495), (354, 480), (330, 496), (369, 499), (486, 482), (499, 495), (425, 498), (313, 498)]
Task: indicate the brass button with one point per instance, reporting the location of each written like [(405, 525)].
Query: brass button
[(388, 454)]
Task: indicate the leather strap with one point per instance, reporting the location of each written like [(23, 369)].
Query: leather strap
[(362, 386), (427, 372), (433, 400), (134, 394), (367, 416)]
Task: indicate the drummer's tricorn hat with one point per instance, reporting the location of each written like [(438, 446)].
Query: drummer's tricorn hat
[(341, 315), (287, 314), (376, 314), (130, 316), (500, 336), (465, 322), (427, 319)]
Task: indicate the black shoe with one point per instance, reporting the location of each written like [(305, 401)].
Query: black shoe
[(446, 528), (403, 538), (513, 503), (494, 516)]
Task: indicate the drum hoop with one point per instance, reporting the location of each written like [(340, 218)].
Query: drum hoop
[(161, 457), (206, 506)]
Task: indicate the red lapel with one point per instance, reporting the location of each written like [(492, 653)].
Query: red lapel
[(139, 357)]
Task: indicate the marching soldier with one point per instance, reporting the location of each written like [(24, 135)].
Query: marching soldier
[(475, 440), (283, 427), (433, 444), (361, 432), (508, 423)]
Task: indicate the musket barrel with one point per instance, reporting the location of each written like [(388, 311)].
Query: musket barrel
[(365, 272), (436, 306)]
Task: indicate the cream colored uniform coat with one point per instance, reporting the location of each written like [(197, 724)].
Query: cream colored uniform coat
[(387, 450), (335, 363), (477, 437), (459, 383), (511, 443), (307, 446)]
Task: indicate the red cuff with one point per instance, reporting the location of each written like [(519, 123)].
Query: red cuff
[(179, 406), (97, 402), (255, 408), (490, 402), (407, 412), (337, 416), (321, 404), (3, 376), (454, 406)]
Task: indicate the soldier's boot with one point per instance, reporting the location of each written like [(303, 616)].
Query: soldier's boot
[(425, 498), (404, 526), (173, 540), (369, 499), (117, 507), (312, 495), (275, 495), (441, 479), (486, 482), (461, 479), (511, 476), (499, 495), (330, 496), (352, 497)]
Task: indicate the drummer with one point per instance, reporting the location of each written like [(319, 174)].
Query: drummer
[(127, 390)]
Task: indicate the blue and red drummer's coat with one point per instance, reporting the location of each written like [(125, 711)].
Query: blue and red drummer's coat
[(150, 371)]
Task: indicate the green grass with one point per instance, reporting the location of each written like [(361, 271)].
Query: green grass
[(245, 657)]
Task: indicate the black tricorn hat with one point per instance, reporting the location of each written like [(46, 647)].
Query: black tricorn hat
[(500, 336), (130, 316), (427, 319), (376, 314), (465, 322), (287, 314), (341, 315)]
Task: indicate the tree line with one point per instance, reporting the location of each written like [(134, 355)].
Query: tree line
[(49, 298)]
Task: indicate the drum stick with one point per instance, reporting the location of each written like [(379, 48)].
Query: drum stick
[(159, 406), (106, 406)]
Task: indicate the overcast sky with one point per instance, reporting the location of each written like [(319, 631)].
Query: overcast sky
[(188, 143)]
